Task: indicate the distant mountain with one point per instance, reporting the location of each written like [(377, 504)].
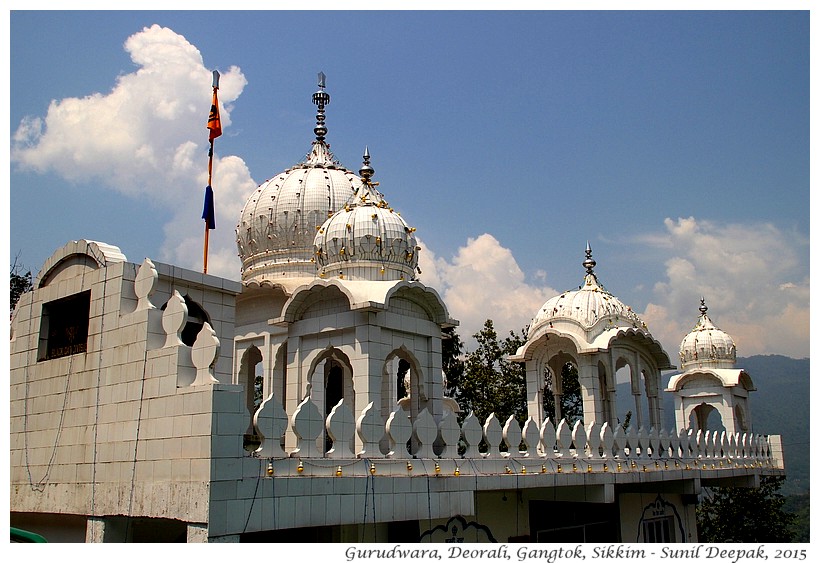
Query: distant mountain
[(779, 406)]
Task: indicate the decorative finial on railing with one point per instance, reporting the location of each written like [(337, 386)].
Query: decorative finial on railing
[(321, 99)]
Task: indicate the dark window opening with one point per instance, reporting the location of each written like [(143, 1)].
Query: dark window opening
[(401, 389), (64, 327), (334, 392)]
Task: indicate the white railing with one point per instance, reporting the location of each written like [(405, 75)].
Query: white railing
[(543, 447), (540, 448)]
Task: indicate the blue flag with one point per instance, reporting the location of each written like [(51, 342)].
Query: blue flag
[(208, 211)]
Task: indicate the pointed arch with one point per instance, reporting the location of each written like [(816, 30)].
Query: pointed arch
[(415, 398), (561, 396), (330, 379), (706, 417), (251, 378), (415, 392)]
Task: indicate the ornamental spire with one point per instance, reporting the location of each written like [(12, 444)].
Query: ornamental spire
[(704, 322), (367, 194), (321, 99), (366, 171), (589, 263)]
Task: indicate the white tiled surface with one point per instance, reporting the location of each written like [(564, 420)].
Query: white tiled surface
[(124, 386)]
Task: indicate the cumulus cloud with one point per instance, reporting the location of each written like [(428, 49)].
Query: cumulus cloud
[(754, 278), (483, 280), (146, 138)]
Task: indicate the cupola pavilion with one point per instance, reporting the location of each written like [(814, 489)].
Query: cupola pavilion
[(601, 336), (710, 381), (330, 304)]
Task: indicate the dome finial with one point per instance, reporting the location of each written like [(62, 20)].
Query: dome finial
[(703, 308), (589, 263), (366, 171), (321, 99)]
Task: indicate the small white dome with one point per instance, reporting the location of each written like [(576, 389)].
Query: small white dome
[(367, 239), (589, 305), (706, 345)]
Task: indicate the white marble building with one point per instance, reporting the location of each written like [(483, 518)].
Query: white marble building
[(135, 391)]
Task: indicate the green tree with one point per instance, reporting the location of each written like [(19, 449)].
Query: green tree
[(20, 282), (745, 515), (490, 383), (452, 363), (799, 505), (627, 420)]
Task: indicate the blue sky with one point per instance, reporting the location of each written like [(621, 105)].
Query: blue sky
[(677, 143)]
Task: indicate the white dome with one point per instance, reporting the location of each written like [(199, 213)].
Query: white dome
[(706, 345), (367, 239), (280, 219), (589, 306)]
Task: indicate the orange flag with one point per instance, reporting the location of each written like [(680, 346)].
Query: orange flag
[(214, 123)]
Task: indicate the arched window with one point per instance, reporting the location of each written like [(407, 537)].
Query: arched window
[(331, 381), (251, 376), (707, 418), (334, 391), (562, 395), (625, 406), (637, 411), (402, 387)]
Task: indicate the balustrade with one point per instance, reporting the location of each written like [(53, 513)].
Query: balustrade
[(596, 447)]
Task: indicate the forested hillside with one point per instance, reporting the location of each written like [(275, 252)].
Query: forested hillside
[(781, 406)]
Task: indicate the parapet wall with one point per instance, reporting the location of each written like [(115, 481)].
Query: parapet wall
[(121, 421)]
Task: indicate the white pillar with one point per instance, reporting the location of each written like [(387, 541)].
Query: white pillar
[(588, 380), (535, 391)]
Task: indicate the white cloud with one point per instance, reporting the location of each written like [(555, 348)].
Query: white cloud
[(754, 278), (483, 280), (146, 138)]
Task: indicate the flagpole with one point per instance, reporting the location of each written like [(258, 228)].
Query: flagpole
[(215, 130), (207, 229)]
